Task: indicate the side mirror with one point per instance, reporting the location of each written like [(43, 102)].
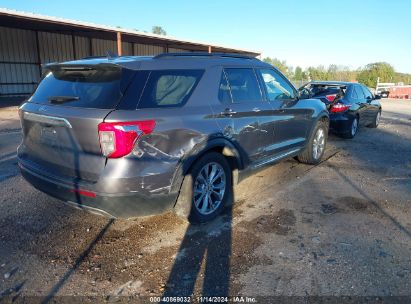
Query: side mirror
[(377, 97)]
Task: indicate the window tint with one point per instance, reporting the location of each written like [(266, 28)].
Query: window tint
[(243, 84), (171, 88), (360, 93), (277, 87), (89, 87), (133, 93), (224, 90), (367, 92)]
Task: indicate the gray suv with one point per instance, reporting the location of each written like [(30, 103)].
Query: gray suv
[(130, 136)]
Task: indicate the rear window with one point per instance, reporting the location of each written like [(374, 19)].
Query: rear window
[(88, 87), (169, 88), (325, 90)]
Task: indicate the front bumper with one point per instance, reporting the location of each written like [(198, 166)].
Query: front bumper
[(121, 205)]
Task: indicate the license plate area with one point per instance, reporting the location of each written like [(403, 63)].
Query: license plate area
[(48, 136)]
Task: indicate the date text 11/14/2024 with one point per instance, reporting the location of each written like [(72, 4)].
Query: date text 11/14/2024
[(236, 299)]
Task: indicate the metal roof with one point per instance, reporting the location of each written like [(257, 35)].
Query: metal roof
[(14, 14)]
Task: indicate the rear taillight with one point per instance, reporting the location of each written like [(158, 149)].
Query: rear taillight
[(339, 107), (331, 98), (117, 139)]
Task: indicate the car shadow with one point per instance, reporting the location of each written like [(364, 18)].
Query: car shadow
[(203, 259), (202, 262)]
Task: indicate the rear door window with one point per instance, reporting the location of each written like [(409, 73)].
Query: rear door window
[(243, 85), (169, 88), (87, 87)]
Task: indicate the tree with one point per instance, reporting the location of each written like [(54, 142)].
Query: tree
[(404, 78), (298, 73), (332, 72), (317, 73), (279, 64), (367, 75), (158, 30), (370, 73)]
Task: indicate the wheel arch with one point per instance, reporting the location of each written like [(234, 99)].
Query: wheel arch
[(322, 116), (218, 144), (221, 145)]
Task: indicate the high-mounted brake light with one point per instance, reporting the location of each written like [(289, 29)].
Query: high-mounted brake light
[(339, 107), (117, 139), (331, 98)]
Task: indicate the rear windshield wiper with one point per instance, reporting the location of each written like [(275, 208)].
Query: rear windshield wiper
[(62, 99)]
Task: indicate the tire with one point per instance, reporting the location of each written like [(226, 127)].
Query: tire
[(376, 121), (311, 155), (353, 129), (190, 205)]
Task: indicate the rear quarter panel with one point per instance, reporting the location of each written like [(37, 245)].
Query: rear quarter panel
[(316, 110), (153, 165)]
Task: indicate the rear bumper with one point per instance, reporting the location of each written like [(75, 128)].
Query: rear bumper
[(340, 122), (121, 205)]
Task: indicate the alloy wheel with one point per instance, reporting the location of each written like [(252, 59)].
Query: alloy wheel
[(377, 118), (209, 188), (354, 127), (318, 143)]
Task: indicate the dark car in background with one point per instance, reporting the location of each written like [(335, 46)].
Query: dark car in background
[(350, 105), (130, 136)]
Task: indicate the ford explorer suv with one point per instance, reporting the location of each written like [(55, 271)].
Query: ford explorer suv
[(132, 136)]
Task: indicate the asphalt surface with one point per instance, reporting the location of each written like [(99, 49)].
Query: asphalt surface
[(342, 228)]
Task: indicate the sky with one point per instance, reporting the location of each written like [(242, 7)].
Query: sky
[(352, 33)]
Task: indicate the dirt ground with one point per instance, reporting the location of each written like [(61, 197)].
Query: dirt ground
[(339, 229)]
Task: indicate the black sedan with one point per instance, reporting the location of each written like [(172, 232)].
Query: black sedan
[(350, 105)]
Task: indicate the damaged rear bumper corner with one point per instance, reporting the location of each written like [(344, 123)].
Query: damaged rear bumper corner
[(119, 205)]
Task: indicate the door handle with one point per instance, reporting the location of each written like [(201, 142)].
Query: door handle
[(281, 111), (228, 112), (256, 110)]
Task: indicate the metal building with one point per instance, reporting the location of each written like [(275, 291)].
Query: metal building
[(29, 40)]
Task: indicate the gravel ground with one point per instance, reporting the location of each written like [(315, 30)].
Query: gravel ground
[(339, 229)]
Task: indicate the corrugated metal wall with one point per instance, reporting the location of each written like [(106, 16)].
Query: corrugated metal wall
[(20, 58), (55, 47), (100, 46), (82, 46), (19, 69), (147, 50), (174, 50)]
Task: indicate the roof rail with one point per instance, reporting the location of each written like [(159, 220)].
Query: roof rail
[(203, 54)]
